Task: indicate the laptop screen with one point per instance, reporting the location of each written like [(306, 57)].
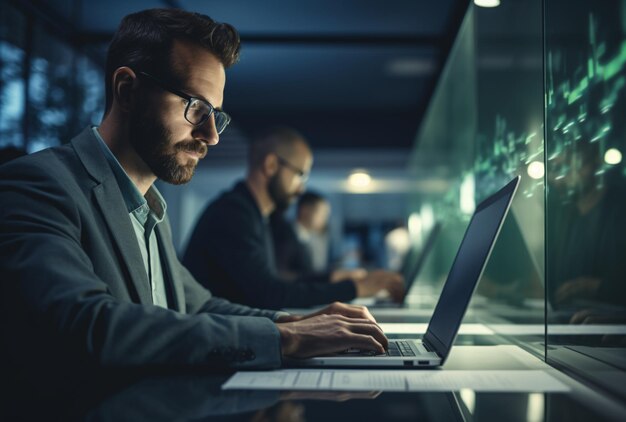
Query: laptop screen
[(411, 273), (467, 269)]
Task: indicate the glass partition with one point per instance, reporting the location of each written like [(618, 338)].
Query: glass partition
[(585, 78), (483, 127), (519, 74)]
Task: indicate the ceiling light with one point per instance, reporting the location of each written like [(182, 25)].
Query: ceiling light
[(487, 3), (536, 170), (612, 156), (359, 179), (415, 225), (428, 216), (468, 190)]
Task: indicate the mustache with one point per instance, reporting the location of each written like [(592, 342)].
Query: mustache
[(193, 146)]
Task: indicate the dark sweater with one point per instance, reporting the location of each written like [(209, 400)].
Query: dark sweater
[(231, 253)]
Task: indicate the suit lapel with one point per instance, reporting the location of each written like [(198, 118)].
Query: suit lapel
[(169, 261), (109, 199), (112, 205)]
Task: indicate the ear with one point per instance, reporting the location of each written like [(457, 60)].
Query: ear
[(124, 80), (270, 164)]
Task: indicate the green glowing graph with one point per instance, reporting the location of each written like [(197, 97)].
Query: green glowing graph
[(570, 96)]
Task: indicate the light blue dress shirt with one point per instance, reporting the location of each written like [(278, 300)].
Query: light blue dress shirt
[(145, 213)]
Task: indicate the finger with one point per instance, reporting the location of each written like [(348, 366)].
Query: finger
[(354, 311), (333, 308), (360, 319), (372, 330), (366, 342), (349, 322), (348, 319), (396, 291), (398, 277), (367, 314)]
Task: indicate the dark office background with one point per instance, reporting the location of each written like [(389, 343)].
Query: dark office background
[(440, 102), (354, 77)]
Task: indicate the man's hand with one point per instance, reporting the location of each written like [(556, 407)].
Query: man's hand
[(336, 308), (326, 334), (581, 287), (378, 280), (354, 274)]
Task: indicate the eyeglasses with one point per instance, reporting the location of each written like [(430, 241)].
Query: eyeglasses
[(301, 173), (197, 111)]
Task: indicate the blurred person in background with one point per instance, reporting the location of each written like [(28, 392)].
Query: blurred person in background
[(231, 248)]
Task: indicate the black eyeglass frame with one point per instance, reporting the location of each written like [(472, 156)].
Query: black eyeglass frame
[(301, 173), (190, 99)]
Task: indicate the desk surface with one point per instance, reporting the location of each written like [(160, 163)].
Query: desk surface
[(197, 395)]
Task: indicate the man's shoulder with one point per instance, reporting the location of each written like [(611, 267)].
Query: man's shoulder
[(232, 201), (229, 212), (78, 160), (50, 163), (43, 183)]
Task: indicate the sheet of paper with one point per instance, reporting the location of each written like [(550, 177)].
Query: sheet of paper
[(396, 380), (420, 329)]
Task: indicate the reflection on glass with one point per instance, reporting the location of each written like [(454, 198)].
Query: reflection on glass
[(586, 232), (484, 125)]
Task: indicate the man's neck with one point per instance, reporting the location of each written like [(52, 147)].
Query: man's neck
[(117, 140), (258, 188)]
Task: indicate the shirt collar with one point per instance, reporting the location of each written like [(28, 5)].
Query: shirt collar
[(135, 202)]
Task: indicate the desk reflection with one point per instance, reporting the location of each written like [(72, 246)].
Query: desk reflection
[(167, 397), (198, 396)]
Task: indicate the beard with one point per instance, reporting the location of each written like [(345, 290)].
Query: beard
[(281, 198), (155, 145)]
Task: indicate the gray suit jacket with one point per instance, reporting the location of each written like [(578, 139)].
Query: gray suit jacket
[(73, 286)]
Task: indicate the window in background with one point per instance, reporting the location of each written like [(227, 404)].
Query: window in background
[(90, 95), (51, 93), (12, 101), (49, 89)]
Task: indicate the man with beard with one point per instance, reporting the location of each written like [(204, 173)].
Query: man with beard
[(231, 250), (90, 278)]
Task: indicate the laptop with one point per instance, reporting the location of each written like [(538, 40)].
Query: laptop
[(433, 349), (411, 268)]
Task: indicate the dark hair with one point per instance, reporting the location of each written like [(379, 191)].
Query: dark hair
[(277, 139), (144, 41), (310, 198)]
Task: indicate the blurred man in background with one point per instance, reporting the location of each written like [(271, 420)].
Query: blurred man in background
[(302, 247), (231, 249)]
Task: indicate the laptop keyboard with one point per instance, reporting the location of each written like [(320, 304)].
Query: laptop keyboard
[(400, 348), (395, 348)]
